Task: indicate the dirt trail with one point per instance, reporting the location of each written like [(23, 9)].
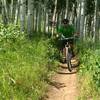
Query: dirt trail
[(64, 85)]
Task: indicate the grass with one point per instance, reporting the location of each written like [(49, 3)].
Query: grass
[(25, 64), (89, 71)]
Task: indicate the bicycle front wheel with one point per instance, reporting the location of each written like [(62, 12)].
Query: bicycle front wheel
[(68, 59), (69, 65)]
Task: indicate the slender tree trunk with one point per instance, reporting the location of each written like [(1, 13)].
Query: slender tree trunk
[(12, 8), (4, 20), (39, 19), (35, 19), (4, 12), (22, 14), (78, 16), (66, 11), (47, 23), (44, 20), (0, 7), (30, 17), (17, 12), (37, 16), (95, 20), (53, 18), (98, 23), (82, 18), (71, 18), (89, 23), (84, 32)]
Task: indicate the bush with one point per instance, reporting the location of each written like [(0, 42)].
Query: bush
[(24, 65), (89, 72)]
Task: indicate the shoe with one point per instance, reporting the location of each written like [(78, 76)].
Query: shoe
[(63, 59)]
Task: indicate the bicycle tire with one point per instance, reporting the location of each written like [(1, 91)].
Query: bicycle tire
[(68, 60), (69, 66)]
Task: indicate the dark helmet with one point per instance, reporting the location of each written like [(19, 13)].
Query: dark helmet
[(65, 21)]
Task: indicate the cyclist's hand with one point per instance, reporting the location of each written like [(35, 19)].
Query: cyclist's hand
[(77, 34), (57, 35)]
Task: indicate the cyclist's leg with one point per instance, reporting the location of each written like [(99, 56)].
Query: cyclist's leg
[(69, 57), (72, 47), (64, 50), (61, 48)]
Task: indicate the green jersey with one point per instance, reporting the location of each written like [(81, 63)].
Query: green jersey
[(67, 31)]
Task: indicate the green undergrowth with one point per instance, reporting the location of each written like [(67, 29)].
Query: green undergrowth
[(25, 65), (89, 70)]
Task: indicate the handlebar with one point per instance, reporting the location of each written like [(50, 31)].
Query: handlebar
[(63, 38)]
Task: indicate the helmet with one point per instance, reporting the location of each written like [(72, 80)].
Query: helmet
[(65, 21)]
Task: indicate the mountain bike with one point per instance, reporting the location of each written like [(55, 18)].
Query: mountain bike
[(68, 51)]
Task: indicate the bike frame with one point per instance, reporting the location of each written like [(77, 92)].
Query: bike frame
[(68, 53)]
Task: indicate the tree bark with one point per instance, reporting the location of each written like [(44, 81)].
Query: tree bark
[(82, 18), (53, 18), (66, 10), (78, 16), (4, 12), (22, 14), (17, 12), (30, 18), (96, 21), (12, 8)]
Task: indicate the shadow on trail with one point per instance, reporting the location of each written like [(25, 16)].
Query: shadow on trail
[(67, 72), (64, 70), (57, 85)]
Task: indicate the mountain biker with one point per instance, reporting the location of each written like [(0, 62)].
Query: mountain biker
[(65, 31)]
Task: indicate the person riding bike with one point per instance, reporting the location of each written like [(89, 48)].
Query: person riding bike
[(66, 31)]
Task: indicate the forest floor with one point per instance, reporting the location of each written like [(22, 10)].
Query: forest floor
[(63, 85)]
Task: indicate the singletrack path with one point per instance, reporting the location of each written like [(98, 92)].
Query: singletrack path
[(64, 85)]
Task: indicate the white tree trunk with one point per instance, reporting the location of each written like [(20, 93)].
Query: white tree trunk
[(39, 19), (34, 19), (44, 20), (12, 7), (94, 26), (37, 16), (85, 26), (30, 17), (47, 24), (82, 18), (54, 15), (4, 12), (66, 10), (72, 15), (78, 16), (22, 14), (98, 25), (95, 30), (17, 12)]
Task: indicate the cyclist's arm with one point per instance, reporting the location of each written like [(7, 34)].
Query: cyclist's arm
[(59, 32), (77, 34)]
